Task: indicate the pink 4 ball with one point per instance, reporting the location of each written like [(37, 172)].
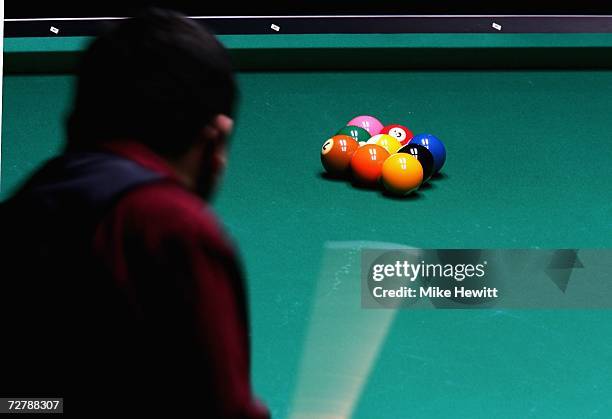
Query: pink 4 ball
[(369, 123)]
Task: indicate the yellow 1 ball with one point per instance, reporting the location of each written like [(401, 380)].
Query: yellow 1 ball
[(389, 143), (402, 174)]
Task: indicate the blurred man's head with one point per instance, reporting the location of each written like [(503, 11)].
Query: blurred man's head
[(163, 80)]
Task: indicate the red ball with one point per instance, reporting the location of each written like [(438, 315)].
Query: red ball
[(367, 162), (402, 133)]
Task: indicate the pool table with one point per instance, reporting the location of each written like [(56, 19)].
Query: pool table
[(526, 119)]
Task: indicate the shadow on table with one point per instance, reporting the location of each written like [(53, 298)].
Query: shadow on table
[(413, 196), (439, 177), (331, 178)]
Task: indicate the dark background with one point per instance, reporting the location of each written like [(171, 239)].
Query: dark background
[(69, 8)]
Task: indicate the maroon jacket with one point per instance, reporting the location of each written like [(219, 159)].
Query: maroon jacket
[(135, 291)]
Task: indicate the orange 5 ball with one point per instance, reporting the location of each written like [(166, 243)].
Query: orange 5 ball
[(336, 154), (402, 173), (367, 163)]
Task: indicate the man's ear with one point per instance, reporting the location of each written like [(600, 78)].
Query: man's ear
[(220, 127), (214, 135)]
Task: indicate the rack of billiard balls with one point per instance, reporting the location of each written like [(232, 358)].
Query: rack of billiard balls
[(373, 154)]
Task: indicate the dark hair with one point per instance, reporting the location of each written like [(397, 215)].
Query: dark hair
[(158, 78)]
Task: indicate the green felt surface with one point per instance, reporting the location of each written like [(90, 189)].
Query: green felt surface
[(528, 166), (433, 40)]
